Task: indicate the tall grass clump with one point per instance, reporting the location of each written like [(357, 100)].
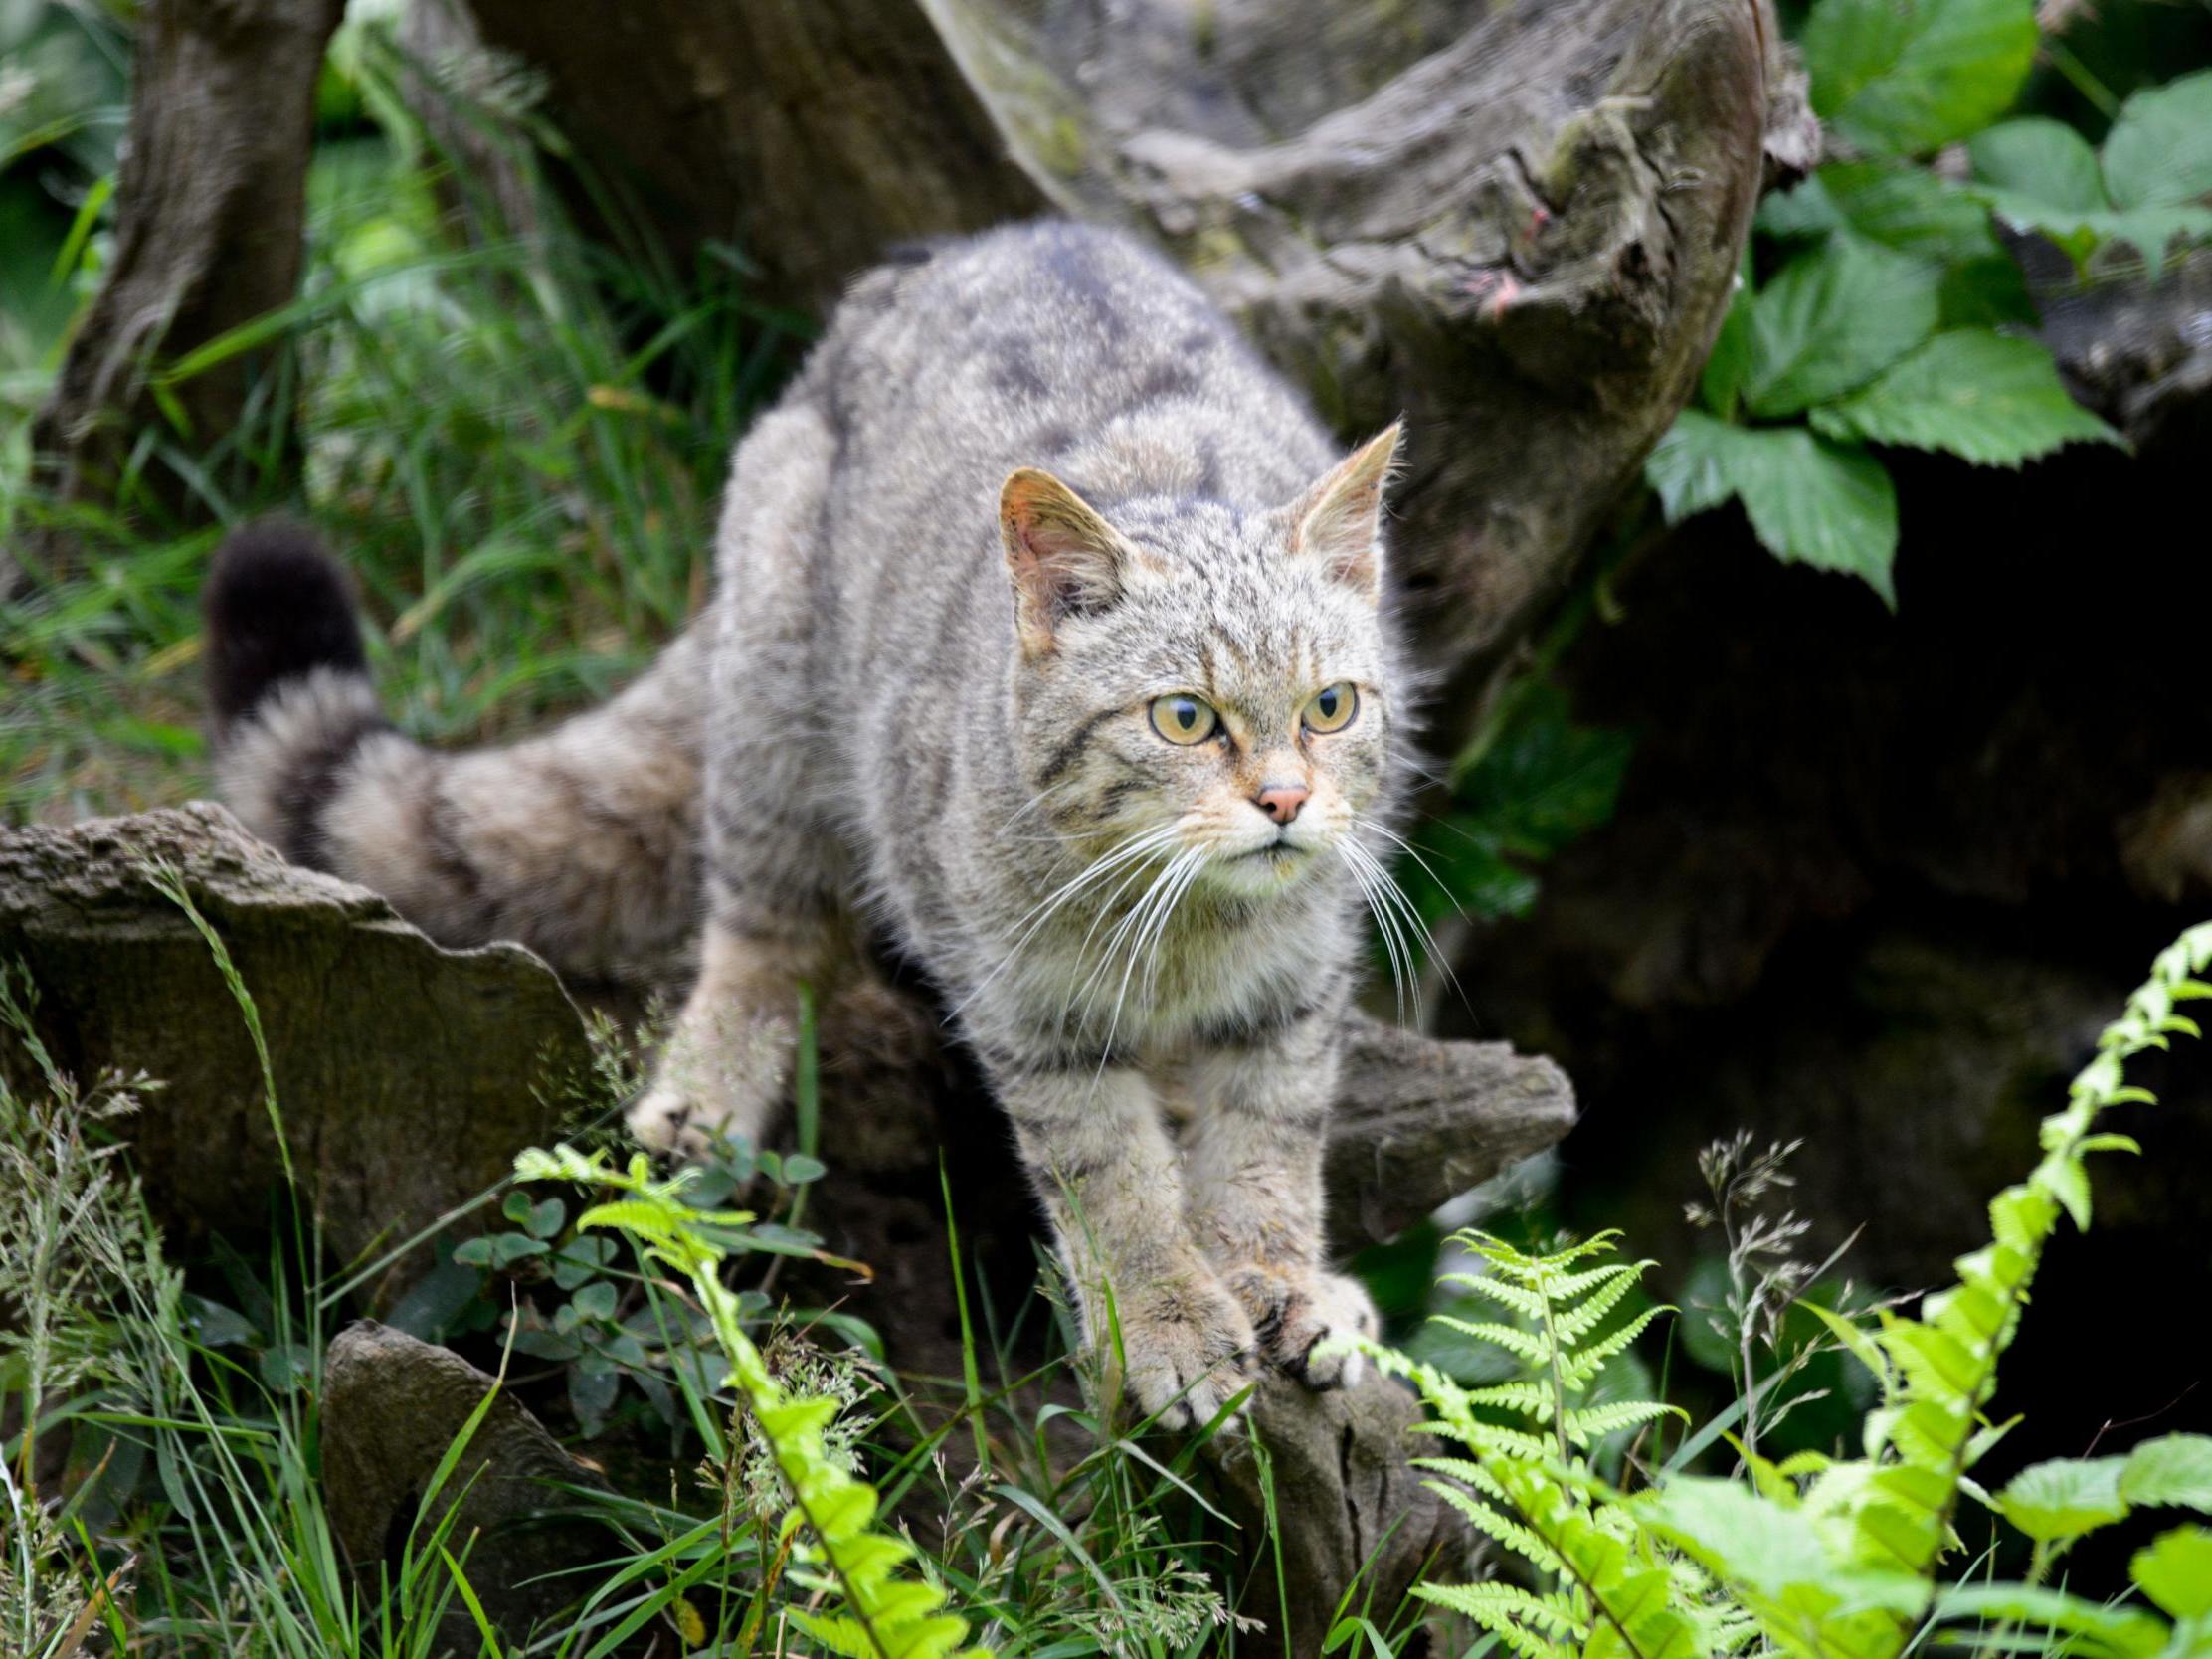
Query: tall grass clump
[(514, 435)]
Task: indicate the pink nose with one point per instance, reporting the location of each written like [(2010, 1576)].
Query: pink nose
[(1281, 801)]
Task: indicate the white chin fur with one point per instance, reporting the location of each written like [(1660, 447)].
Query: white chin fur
[(1256, 876)]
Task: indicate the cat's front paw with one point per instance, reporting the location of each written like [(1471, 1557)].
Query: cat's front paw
[(1295, 1311), (1188, 1352), (700, 1091)]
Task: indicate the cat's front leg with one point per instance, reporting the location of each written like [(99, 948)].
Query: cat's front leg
[(1103, 1164), (726, 1065), (1252, 1160)]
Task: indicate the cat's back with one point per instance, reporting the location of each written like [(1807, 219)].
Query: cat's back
[(1052, 345)]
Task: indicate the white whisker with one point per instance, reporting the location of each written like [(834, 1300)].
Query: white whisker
[(1101, 867)]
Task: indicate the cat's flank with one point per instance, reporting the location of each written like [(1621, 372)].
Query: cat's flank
[(1046, 638)]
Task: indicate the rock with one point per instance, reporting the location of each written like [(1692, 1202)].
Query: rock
[(392, 1407), (406, 1075)]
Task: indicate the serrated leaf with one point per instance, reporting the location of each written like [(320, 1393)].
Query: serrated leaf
[(2173, 1470), (2159, 150), (2175, 1572), (1835, 317), (1905, 77), (1894, 203), (1993, 400), (2064, 1498), (2040, 158), (1810, 499), (2149, 231)]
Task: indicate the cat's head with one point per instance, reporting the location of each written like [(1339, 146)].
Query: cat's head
[(1210, 681)]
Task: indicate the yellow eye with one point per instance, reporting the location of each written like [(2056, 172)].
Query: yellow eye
[(1332, 708), (1181, 718)]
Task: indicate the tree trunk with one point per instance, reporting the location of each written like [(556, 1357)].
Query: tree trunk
[(1518, 225), (209, 206)]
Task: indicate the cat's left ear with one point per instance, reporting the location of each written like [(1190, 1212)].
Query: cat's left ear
[(1063, 558), (1340, 519)]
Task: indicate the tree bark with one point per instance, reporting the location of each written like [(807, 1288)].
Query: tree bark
[(209, 207), (1518, 225)]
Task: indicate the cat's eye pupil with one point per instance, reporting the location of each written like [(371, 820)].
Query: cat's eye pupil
[(1327, 703), (1183, 719)]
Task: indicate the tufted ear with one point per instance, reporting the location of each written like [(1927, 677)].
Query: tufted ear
[(1063, 558), (1340, 519)]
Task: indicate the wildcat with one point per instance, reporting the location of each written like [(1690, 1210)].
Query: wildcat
[(1048, 637)]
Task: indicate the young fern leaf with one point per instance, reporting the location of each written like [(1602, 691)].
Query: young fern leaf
[(1943, 1365), (1610, 1591), (885, 1612)]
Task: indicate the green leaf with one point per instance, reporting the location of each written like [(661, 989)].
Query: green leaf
[(595, 1301), (1731, 357), (1986, 294), (2175, 1470), (2175, 1572), (2040, 158), (580, 1259), (1833, 319), (2126, 1632), (2064, 1498), (2159, 150), (1811, 501), (1905, 77), (1994, 400), (1895, 203)]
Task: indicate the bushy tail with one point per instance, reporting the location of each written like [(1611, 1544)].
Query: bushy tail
[(581, 843)]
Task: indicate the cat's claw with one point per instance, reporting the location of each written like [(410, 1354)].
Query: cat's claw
[(1188, 1359), (665, 1121), (1299, 1317)]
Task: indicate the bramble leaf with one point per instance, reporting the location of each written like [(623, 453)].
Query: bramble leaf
[(2174, 1469), (1810, 499), (1905, 77), (1835, 317), (2064, 1498), (2159, 150), (1989, 398), (2175, 1572), (2042, 158)]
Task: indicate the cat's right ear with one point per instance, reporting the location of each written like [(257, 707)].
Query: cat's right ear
[(1063, 558)]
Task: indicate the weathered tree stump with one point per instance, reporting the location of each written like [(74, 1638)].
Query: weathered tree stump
[(408, 1075), (210, 200)]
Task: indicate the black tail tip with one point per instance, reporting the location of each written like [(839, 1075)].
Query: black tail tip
[(275, 606)]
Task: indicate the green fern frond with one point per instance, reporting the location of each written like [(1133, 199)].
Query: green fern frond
[(1591, 1423), (1526, 1346), (1529, 1625), (1513, 1298), (884, 1613), (1580, 1367), (1531, 1398), (1578, 1318)]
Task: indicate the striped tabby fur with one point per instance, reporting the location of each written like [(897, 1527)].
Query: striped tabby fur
[(1028, 485)]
